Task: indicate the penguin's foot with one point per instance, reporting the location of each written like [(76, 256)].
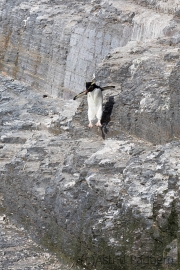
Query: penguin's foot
[(98, 124), (90, 125)]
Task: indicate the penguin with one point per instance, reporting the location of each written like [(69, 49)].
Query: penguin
[(95, 101), (25, 21)]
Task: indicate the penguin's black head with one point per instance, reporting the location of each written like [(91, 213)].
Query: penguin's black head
[(90, 86)]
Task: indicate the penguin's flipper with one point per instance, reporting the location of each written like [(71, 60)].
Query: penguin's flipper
[(107, 87), (80, 95)]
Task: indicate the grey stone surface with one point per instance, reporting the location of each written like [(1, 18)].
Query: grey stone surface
[(74, 192), (169, 6), (19, 252), (148, 81), (62, 44)]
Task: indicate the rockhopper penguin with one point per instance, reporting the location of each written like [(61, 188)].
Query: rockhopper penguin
[(95, 101)]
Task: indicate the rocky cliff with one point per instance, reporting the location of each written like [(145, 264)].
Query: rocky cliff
[(106, 198)]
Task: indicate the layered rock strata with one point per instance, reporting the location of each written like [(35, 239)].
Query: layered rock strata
[(51, 45), (83, 195)]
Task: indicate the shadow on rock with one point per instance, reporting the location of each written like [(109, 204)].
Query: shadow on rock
[(106, 117)]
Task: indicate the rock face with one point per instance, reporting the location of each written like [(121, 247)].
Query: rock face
[(51, 45), (18, 251), (107, 198), (149, 79)]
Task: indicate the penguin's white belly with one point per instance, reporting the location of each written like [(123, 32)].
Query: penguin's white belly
[(95, 100)]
